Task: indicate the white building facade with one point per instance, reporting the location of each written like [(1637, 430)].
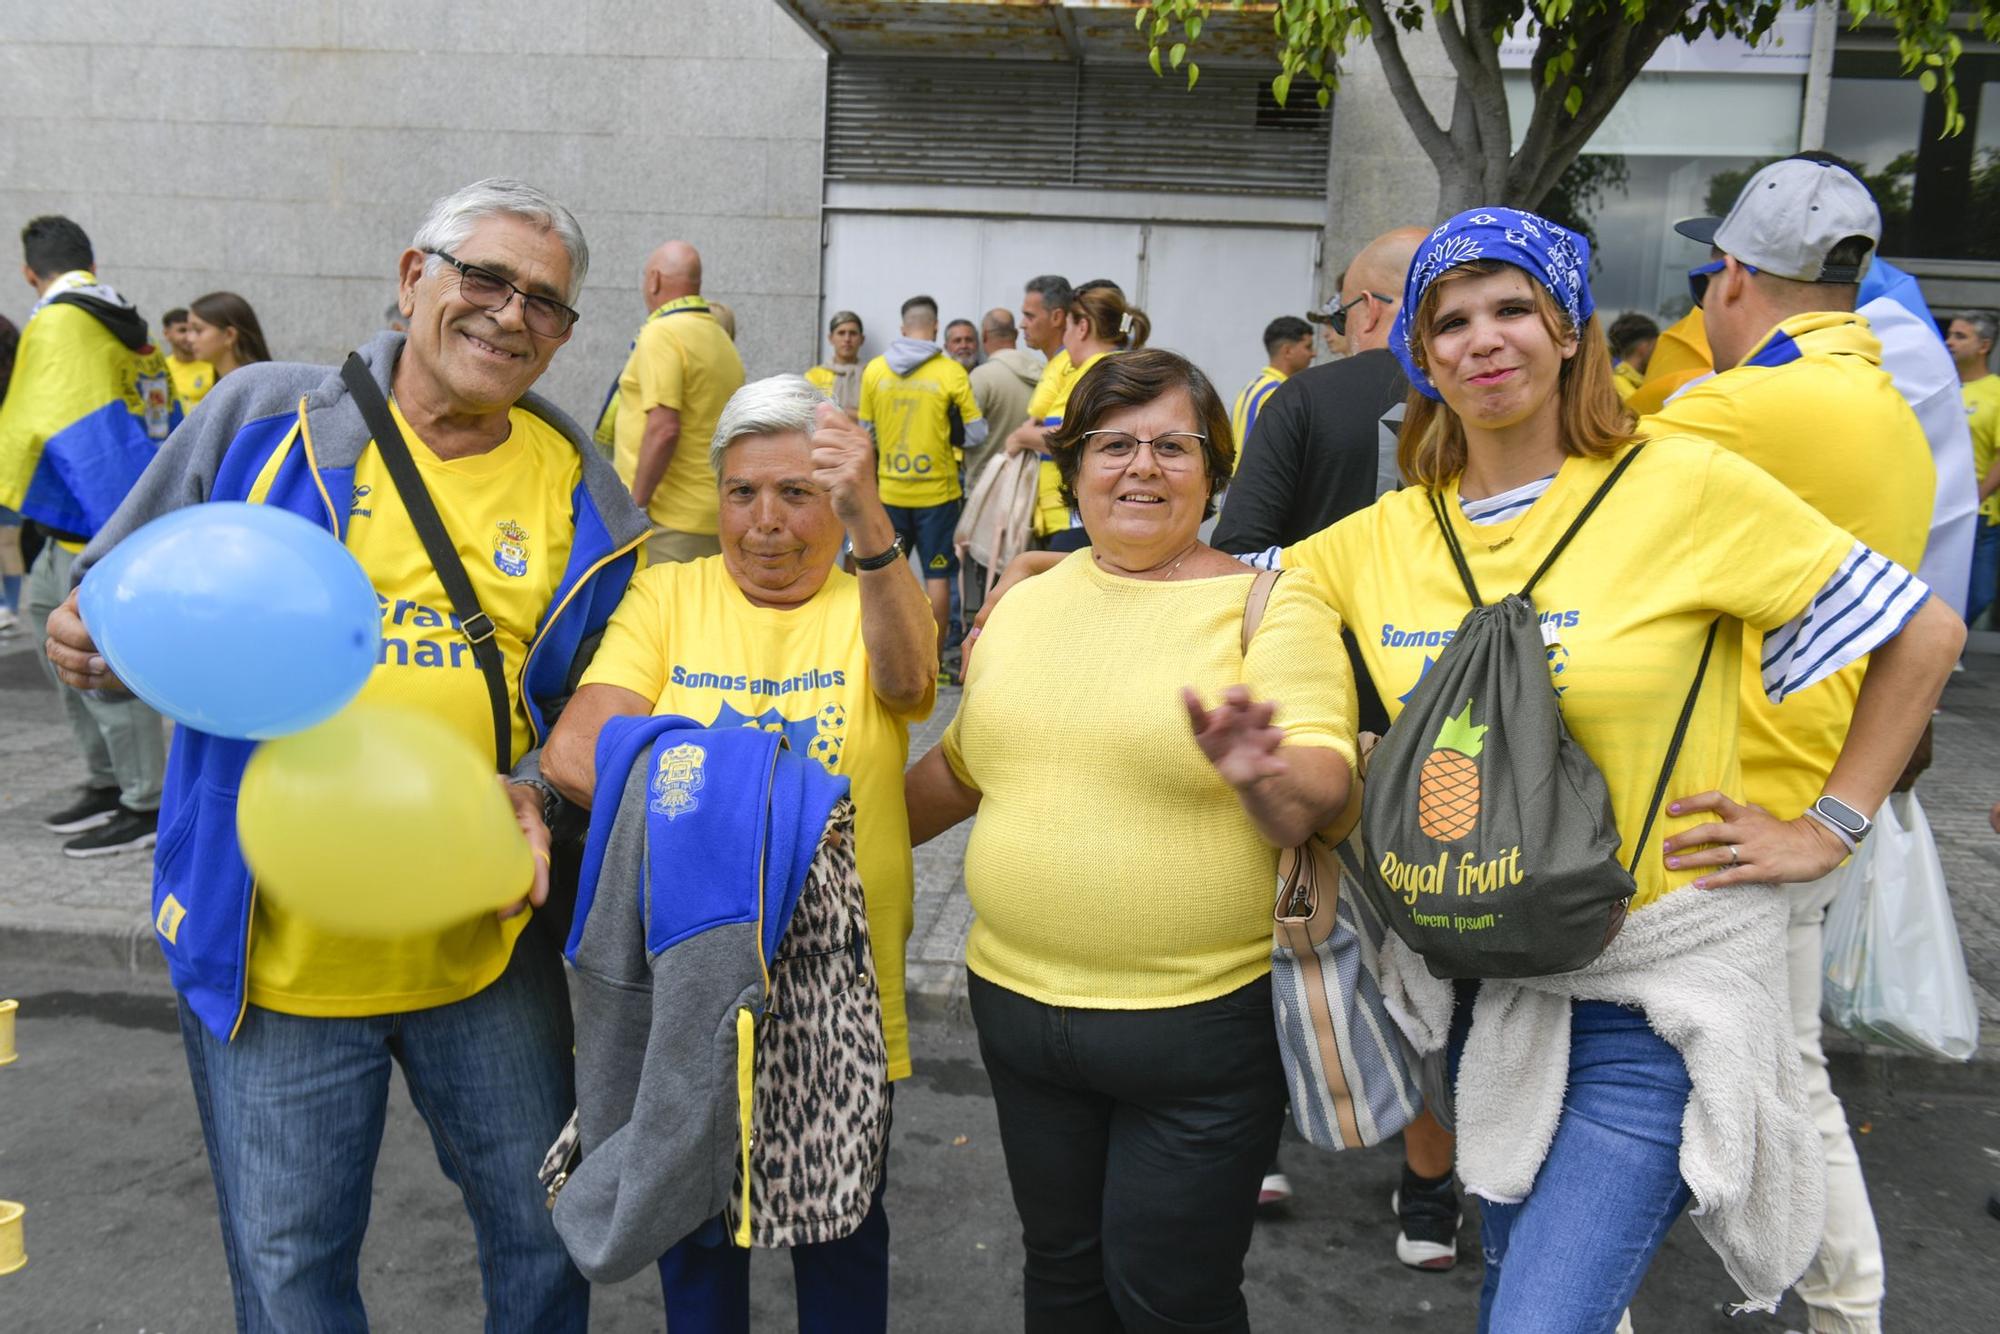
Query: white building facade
[(846, 154)]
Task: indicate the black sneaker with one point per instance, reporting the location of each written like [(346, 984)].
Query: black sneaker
[(95, 807), (126, 831), (1430, 1217)]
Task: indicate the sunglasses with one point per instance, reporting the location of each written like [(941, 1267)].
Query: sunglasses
[(491, 293), (1337, 319), (1698, 276)]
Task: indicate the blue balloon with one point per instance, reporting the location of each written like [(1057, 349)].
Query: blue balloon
[(238, 620)]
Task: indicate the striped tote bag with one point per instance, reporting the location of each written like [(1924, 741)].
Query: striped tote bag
[(1352, 1076)]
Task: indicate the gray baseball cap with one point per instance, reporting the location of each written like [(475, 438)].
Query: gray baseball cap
[(1790, 216)]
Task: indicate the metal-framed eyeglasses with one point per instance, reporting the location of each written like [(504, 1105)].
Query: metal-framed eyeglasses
[(1699, 275), (491, 293), (1172, 450)]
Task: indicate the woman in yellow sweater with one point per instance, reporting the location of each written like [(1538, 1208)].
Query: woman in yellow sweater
[(1134, 771)]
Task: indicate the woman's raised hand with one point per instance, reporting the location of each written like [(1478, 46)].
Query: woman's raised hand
[(843, 462), (1237, 735)]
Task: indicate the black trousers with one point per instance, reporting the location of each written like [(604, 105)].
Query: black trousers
[(1135, 1142)]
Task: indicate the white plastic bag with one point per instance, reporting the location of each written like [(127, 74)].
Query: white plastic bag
[(1895, 973)]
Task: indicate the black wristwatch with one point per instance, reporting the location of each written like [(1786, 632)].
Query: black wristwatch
[(895, 553), (551, 799)]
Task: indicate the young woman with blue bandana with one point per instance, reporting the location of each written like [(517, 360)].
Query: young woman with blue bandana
[(1593, 1107)]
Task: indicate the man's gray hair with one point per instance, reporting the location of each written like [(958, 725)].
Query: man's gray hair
[(775, 406), (1984, 326), (451, 220)]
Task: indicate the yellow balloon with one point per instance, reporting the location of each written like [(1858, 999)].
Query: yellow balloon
[(380, 822)]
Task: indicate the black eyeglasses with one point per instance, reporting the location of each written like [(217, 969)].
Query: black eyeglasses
[(491, 293), (1698, 276), (1338, 318)]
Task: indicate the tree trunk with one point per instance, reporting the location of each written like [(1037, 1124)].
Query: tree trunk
[(1474, 172), (1461, 185), (1476, 159)]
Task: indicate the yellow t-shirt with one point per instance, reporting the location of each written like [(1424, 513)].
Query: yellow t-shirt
[(911, 415), (1626, 379), (682, 360), (1831, 427), (1982, 413), (191, 379), (1681, 355), (1111, 867), (1049, 389), (510, 512), (1051, 514), (686, 638), (1250, 402), (1690, 531)]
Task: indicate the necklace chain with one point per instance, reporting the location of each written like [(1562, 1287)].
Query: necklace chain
[(1188, 551)]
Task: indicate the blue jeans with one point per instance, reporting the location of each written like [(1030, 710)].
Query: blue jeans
[(1985, 569), (842, 1286), (1568, 1259), (292, 1112), (10, 555)]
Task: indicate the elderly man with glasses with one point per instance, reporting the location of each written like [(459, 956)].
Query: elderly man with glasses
[(1326, 438), (290, 1030)]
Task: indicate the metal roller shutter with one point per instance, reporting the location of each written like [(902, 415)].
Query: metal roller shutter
[(1059, 123)]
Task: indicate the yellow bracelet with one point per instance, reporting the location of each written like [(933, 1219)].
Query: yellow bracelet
[(539, 853)]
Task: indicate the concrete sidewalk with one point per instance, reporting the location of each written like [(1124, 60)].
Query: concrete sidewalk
[(55, 910)]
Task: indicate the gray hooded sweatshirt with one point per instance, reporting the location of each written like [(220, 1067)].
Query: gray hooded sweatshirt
[(905, 355)]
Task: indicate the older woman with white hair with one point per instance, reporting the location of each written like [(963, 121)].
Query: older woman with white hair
[(771, 634)]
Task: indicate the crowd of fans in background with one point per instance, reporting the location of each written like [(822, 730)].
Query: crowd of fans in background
[(1137, 748)]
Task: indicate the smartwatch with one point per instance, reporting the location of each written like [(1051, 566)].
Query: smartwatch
[(895, 553), (1850, 825)]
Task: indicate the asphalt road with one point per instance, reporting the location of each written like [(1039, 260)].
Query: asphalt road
[(98, 1137)]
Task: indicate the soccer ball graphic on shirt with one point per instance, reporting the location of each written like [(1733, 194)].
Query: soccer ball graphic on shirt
[(820, 735), (831, 732)]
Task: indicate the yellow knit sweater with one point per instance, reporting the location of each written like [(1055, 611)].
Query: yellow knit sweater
[(1110, 866)]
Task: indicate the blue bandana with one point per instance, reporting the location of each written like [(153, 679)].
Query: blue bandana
[(1553, 256)]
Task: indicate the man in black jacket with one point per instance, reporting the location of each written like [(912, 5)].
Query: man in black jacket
[(1326, 439)]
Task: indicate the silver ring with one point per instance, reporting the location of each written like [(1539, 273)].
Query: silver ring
[(1735, 859)]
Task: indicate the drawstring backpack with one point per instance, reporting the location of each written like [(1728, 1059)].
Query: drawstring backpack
[(1491, 841)]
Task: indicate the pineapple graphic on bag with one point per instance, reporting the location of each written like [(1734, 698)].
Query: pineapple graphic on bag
[(1448, 782)]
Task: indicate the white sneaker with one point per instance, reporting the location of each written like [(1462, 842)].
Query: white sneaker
[(1434, 1219), (9, 622), (1277, 1189)]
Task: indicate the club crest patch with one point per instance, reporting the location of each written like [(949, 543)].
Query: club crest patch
[(510, 548), (676, 779)]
